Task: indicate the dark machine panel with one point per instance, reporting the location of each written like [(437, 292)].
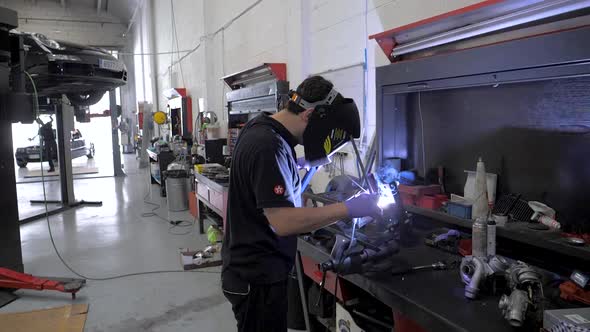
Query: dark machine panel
[(533, 135), (523, 106)]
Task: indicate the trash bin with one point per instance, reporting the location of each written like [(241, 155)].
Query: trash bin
[(177, 188)]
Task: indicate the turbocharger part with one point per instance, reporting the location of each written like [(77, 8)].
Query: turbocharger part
[(475, 270), (525, 283), (514, 307)]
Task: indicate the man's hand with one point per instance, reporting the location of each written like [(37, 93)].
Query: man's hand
[(364, 205)]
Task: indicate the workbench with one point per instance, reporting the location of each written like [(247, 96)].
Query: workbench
[(434, 299), (213, 195)]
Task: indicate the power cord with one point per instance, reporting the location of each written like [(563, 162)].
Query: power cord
[(173, 223), (36, 105)]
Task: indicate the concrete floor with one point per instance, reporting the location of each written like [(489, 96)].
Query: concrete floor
[(114, 239)]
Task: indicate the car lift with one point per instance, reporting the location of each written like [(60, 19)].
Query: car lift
[(64, 114), (17, 105), (16, 280)]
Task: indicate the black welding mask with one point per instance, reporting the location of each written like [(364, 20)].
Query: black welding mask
[(331, 125)]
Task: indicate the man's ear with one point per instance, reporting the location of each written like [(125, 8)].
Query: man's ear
[(305, 115)]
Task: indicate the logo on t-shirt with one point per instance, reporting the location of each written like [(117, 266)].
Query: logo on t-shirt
[(279, 190)]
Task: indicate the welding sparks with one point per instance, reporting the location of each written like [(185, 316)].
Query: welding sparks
[(385, 200)]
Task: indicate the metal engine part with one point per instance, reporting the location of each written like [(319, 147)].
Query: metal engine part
[(527, 293), (356, 258), (522, 274), (475, 270), (514, 307), (524, 282)]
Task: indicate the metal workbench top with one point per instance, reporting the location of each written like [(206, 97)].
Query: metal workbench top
[(219, 187), (434, 299)]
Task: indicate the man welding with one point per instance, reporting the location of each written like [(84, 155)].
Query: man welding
[(264, 205)]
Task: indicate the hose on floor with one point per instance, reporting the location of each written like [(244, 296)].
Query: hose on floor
[(173, 224), (36, 105)]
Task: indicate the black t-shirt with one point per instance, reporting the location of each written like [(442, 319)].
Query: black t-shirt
[(263, 175)]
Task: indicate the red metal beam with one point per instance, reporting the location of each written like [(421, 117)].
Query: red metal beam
[(440, 17), (386, 39)]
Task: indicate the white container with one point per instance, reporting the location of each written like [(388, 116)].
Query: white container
[(480, 202)]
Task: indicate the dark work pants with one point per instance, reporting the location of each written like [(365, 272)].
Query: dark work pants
[(257, 308), (50, 148)]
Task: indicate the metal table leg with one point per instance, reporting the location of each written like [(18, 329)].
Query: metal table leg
[(300, 274)]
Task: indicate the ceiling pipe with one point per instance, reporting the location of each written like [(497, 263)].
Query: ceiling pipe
[(134, 16)]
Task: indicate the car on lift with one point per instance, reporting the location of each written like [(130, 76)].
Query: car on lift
[(80, 148), (82, 73)]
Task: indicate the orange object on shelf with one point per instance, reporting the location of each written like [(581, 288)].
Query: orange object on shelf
[(423, 196), (569, 291), (192, 204)]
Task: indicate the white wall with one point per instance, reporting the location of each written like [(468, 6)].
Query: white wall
[(327, 37)]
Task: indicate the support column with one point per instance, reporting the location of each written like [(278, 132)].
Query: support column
[(10, 245), (64, 114), (115, 134)]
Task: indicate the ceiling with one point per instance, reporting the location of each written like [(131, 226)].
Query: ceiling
[(121, 9), (104, 23)]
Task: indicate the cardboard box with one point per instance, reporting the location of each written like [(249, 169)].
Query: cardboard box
[(188, 262)]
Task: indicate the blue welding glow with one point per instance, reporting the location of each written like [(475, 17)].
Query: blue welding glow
[(386, 199)]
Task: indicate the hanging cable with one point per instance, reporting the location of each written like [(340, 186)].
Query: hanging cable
[(36, 105), (176, 38)]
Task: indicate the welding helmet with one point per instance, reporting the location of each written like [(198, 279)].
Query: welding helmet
[(331, 125)]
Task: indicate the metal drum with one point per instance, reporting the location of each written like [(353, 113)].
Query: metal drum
[(177, 191)]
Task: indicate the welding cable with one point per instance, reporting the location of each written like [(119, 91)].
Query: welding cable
[(174, 224), (36, 105)]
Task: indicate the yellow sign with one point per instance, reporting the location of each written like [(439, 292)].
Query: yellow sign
[(159, 117), (328, 145)]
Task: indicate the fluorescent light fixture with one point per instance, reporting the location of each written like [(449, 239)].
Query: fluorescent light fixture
[(528, 14)]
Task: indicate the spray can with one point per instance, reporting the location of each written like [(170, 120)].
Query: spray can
[(480, 205), (479, 234), (491, 237)]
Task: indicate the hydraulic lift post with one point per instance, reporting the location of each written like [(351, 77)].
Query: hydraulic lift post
[(64, 117), (17, 106)]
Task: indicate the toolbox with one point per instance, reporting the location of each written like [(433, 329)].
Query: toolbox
[(579, 318)]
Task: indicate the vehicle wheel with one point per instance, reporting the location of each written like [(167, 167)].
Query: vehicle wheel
[(90, 154), (21, 163), (87, 98)]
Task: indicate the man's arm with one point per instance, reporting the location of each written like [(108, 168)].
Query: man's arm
[(290, 221)]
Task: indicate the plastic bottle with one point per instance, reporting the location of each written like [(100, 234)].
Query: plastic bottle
[(480, 205), (479, 244), (491, 237)]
